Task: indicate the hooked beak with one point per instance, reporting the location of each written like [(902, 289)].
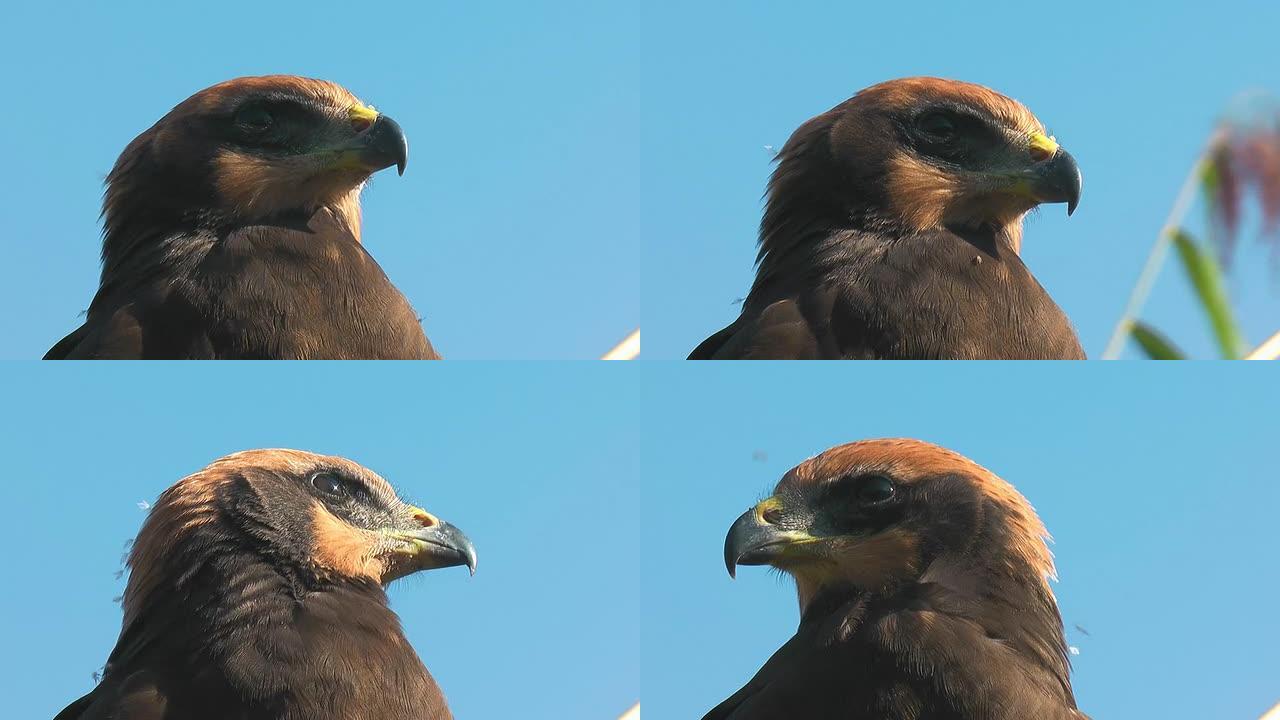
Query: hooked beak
[(753, 540), (1055, 176), (444, 546), (379, 145), (386, 144), (436, 544), (1058, 180)]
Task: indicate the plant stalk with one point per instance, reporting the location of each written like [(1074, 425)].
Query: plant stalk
[(1155, 258)]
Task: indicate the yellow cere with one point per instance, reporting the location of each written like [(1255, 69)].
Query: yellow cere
[(1041, 143), (765, 506), (424, 517), (361, 112)]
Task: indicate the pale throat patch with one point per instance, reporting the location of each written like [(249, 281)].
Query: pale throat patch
[(346, 550), (926, 197), (868, 563), (254, 188)]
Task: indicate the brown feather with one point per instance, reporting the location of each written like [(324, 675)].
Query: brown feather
[(871, 248), (931, 602), (909, 460), (248, 598), (217, 249)]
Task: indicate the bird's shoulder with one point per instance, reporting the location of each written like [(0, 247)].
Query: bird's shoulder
[(270, 669), (321, 284), (318, 244), (786, 328), (155, 321), (945, 294), (920, 655), (342, 623), (867, 295), (808, 677), (137, 697)]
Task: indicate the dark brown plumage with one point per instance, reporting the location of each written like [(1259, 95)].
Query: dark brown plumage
[(923, 582), (892, 230), (232, 230), (256, 591)]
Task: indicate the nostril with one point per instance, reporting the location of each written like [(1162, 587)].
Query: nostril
[(771, 516), (425, 518), (361, 123), (1040, 154)]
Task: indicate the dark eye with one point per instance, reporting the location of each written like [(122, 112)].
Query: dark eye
[(875, 489), (254, 117), (937, 125), (329, 484)]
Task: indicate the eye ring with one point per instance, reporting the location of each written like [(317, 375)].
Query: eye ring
[(255, 118), (329, 484), (936, 125), (875, 489)]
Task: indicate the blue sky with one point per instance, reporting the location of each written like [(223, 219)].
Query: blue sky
[(510, 230), (541, 475), (1157, 484), (1131, 90)]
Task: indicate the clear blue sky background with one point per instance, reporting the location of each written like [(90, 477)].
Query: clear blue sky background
[(512, 230), (1159, 487), (539, 471), (1131, 90)]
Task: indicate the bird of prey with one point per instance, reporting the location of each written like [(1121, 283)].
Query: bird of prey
[(231, 230), (923, 582), (892, 230), (256, 591)]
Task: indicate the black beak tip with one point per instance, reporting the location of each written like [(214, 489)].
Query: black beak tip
[(1058, 180), (460, 549), (1074, 180), (388, 143), (402, 158), (468, 552), (402, 152), (1076, 189), (731, 556)]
